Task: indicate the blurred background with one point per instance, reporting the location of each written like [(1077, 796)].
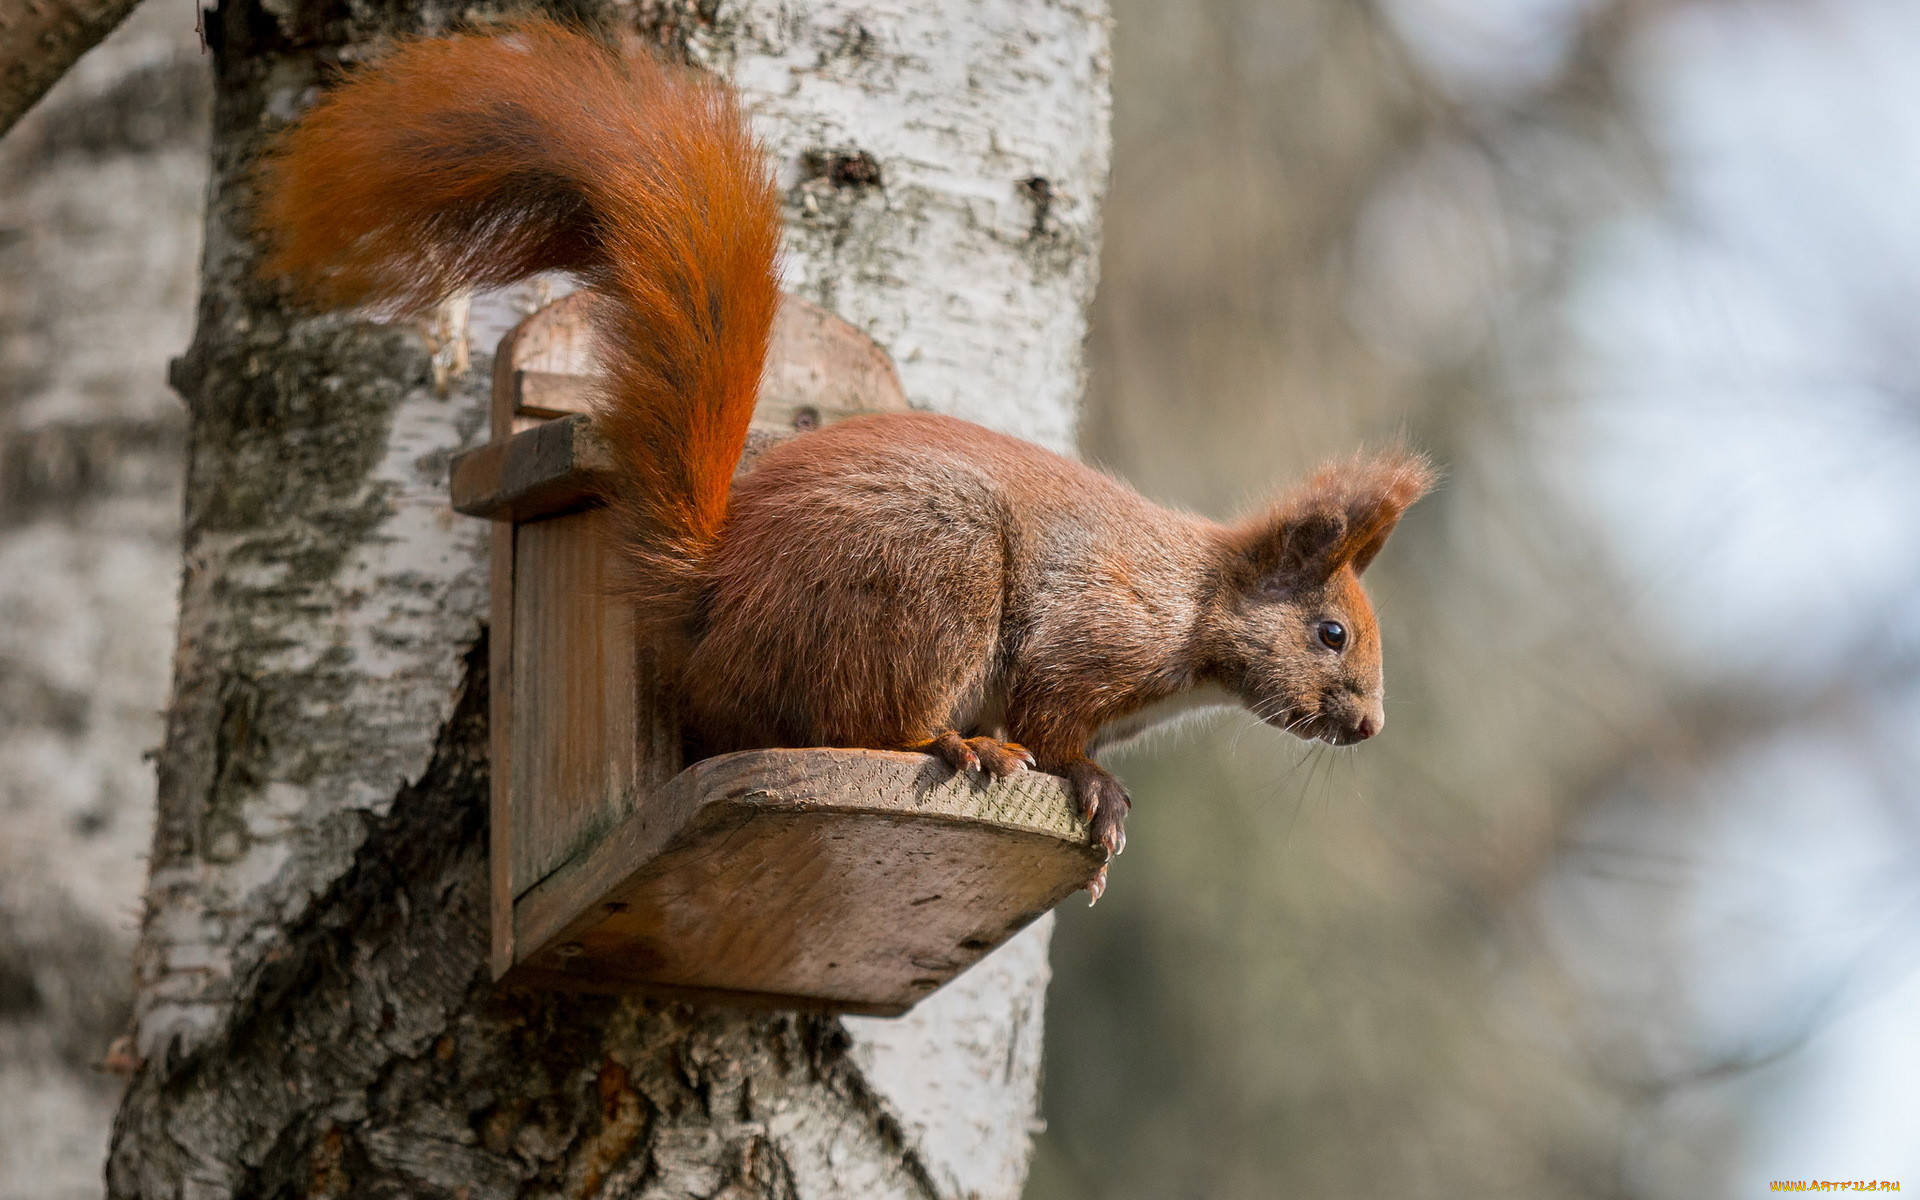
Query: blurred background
[(1625, 903)]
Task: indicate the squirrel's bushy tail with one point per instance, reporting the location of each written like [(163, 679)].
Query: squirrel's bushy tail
[(476, 160)]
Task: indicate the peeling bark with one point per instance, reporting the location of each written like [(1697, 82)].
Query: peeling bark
[(313, 1008)]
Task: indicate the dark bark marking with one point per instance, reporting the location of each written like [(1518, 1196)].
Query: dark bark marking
[(854, 170), (238, 754), (1038, 190)]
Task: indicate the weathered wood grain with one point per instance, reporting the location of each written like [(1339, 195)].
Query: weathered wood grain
[(545, 459), (40, 40), (577, 750), (858, 879), (547, 395), (551, 468), (820, 370), (500, 727)]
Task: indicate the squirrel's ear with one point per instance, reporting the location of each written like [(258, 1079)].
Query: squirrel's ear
[(1339, 518), (1374, 493), (1295, 545)]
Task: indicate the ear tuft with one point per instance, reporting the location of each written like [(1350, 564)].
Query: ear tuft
[(1374, 492), (1340, 517)]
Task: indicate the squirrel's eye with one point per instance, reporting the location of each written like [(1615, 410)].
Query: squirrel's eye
[(1333, 635)]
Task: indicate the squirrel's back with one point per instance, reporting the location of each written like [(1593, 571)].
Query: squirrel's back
[(888, 568), (477, 160)]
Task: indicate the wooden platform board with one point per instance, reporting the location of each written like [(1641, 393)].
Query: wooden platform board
[(858, 880)]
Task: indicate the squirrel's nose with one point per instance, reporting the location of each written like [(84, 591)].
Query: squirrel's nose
[(1368, 720)]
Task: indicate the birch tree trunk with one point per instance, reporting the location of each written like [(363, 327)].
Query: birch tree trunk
[(313, 1014)]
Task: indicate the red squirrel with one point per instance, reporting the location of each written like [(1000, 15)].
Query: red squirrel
[(898, 582)]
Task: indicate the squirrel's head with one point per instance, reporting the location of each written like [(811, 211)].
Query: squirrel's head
[(1291, 630)]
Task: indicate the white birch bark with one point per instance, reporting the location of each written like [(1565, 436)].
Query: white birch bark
[(312, 1008)]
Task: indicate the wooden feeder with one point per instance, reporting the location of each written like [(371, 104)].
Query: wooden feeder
[(851, 880)]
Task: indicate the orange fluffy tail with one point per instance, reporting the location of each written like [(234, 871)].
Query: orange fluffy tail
[(476, 160)]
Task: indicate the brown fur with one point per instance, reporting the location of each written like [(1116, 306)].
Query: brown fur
[(906, 581)]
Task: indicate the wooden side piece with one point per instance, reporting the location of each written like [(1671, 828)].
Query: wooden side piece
[(576, 738), (855, 879), (500, 749), (555, 467)]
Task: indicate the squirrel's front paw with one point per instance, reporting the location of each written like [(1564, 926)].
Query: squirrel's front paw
[(997, 758), (1104, 804)]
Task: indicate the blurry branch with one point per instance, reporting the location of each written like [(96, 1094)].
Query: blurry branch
[(40, 39)]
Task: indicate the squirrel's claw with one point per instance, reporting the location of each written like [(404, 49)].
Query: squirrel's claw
[(1097, 886), (1108, 831)]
